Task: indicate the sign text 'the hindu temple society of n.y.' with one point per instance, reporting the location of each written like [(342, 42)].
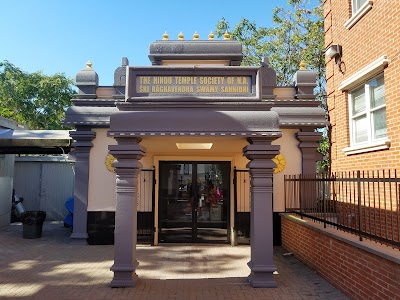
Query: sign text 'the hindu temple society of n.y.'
[(203, 85)]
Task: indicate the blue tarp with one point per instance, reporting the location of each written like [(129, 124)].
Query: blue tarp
[(69, 205)]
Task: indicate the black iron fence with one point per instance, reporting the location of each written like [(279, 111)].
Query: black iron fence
[(145, 206), (364, 203), (241, 183)]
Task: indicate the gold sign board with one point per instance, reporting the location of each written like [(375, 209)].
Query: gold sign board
[(194, 85)]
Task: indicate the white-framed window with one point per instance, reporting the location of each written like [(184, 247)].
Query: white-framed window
[(356, 5), (358, 9), (367, 112)]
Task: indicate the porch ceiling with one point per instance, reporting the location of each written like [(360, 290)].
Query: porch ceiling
[(166, 145)]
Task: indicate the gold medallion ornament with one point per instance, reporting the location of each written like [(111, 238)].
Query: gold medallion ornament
[(109, 160), (280, 163)]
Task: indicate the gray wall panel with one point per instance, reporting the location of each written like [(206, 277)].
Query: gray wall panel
[(57, 186), (6, 184), (27, 183), (45, 185)]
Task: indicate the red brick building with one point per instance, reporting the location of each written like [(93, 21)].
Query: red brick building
[(363, 50), (362, 39)]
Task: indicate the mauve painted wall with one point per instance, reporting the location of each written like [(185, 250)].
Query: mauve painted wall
[(101, 181)]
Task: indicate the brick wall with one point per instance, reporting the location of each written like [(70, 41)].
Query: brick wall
[(377, 222), (376, 34), (356, 272)]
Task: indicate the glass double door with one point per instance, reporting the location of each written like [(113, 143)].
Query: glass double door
[(193, 203)]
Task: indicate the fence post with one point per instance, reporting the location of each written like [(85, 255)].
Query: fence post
[(324, 200), (235, 199), (300, 193), (359, 203), (332, 181), (284, 191), (153, 206)]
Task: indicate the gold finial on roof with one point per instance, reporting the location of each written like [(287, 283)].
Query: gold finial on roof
[(165, 36), (211, 36), (195, 36), (227, 35), (180, 36), (89, 65), (303, 65)]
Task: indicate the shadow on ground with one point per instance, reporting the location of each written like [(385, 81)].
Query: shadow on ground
[(50, 267)]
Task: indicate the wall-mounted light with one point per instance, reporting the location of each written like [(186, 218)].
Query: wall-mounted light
[(333, 51), (194, 146)]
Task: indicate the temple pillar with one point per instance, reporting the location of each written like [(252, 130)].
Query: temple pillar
[(127, 152), (261, 167), (309, 143), (82, 143), (309, 156)]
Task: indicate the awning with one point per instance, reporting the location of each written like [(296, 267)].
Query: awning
[(34, 141)]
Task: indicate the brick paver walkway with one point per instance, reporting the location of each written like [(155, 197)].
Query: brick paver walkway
[(51, 268)]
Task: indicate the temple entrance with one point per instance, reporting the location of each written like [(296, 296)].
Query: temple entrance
[(194, 200)]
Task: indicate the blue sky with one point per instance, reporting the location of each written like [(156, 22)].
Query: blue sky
[(61, 36)]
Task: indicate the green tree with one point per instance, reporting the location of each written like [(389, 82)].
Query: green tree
[(324, 148), (34, 99), (297, 34)]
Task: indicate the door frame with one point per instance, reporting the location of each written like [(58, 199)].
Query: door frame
[(194, 221), (195, 159)]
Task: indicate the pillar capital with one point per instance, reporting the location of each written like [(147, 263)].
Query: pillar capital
[(82, 140), (127, 152), (260, 152), (308, 137), (309, 143)]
